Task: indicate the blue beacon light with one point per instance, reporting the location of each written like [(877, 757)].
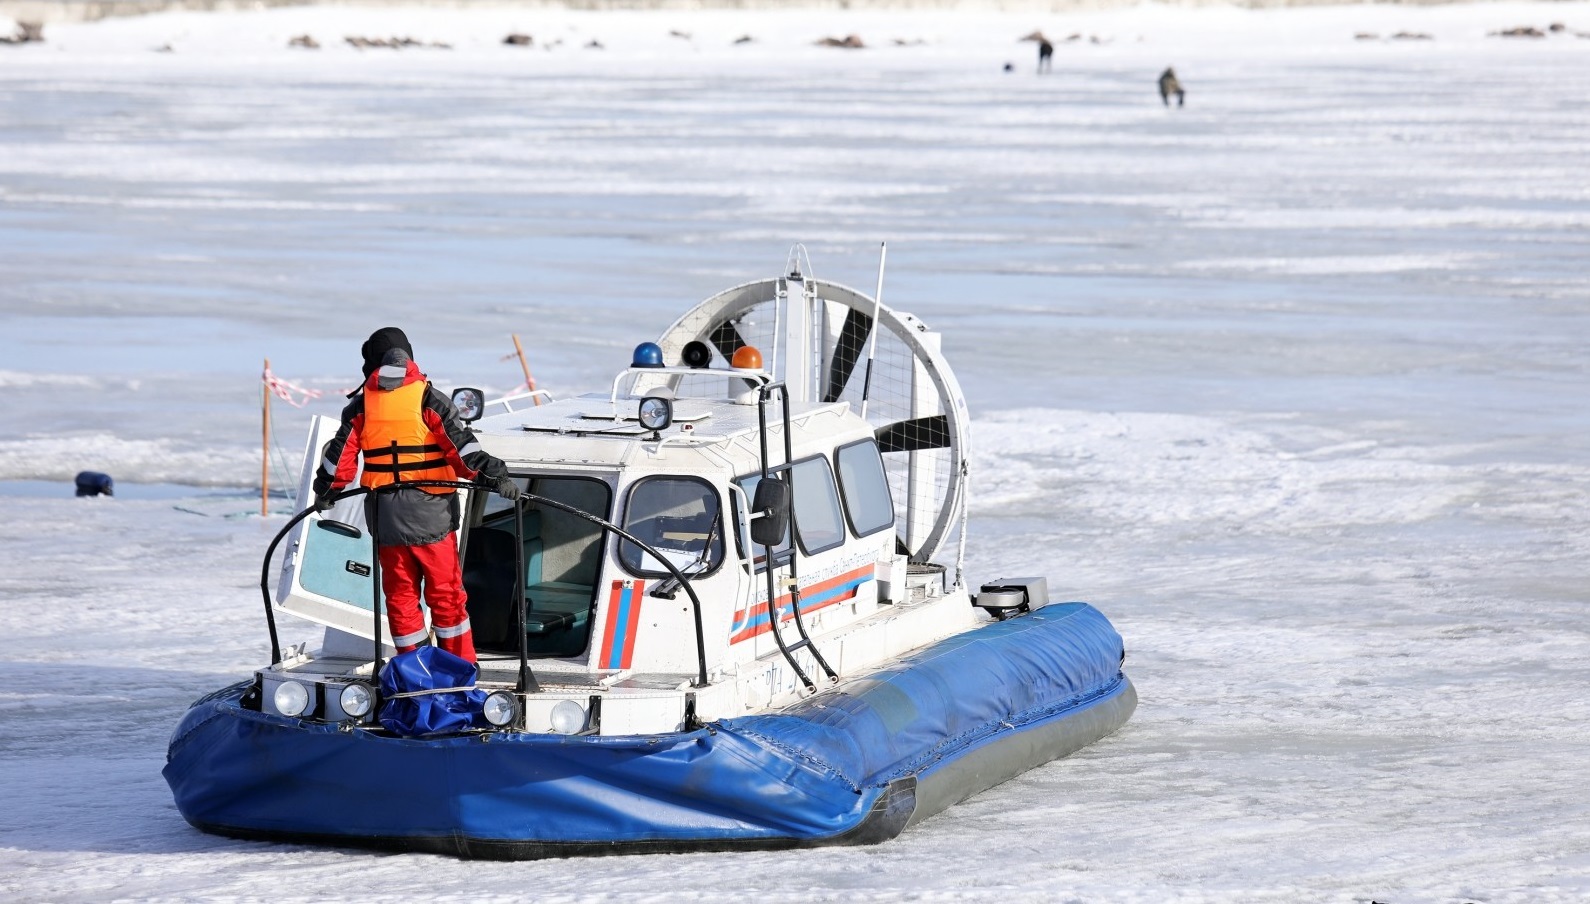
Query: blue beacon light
[(647, 354)]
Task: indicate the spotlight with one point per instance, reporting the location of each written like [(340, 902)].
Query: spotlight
[(656, 412), (291, 699), (568, 717), (502, 708), (356, 700)]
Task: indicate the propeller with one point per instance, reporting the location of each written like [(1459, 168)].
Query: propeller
[(930, 432), (725, 337), (852, 338)]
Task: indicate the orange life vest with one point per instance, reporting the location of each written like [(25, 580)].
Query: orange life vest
[(397, 444)]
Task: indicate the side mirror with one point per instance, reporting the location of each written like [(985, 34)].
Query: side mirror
[(470, 402), (772, 503)]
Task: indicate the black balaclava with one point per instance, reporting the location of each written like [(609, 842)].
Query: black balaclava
[(380, 342)]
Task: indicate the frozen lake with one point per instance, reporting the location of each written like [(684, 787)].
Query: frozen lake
[(1290, 383)]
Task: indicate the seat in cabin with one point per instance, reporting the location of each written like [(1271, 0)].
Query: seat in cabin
[(551, 606)]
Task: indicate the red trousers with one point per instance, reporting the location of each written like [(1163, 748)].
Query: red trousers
[(403, 570)]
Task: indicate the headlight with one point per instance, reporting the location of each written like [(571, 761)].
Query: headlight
[(568, 717), (656, 413), (291, 698), (502, 708), (356, 699)]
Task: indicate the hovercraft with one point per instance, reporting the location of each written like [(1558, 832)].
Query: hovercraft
[(727, 612)]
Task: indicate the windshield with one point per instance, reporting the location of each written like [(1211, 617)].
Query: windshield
[(681, 517)]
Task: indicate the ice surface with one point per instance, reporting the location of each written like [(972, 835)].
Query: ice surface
[(1289, 382)]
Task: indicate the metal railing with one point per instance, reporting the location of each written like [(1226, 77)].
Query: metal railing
[(527, 682)]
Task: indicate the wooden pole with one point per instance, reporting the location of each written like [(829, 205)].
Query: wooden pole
[(265, 441), (529, 381)]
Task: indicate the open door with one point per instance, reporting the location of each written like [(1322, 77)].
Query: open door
[(328, 571)]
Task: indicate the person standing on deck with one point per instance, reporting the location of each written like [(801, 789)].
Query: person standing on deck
[(408, 431)]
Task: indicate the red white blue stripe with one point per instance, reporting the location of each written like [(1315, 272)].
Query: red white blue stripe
[(835, 590), (623, 623)]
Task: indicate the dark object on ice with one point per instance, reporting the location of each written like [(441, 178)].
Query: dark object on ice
[(1366, 36), (1010, 67), (1556, 27), (307, 42), (519, 39), (1522, 31), (1168, 85), (676, 33), (93, 483), (1411, 36), (27, 33), (852, 42), (1045, 51), (393, 43), (594, 45), (744, 39)]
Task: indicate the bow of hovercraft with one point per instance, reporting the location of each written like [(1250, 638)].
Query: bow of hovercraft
[(855, 764)]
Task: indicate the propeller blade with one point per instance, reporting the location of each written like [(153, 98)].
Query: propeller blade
[(931, 432), (852, 338), (725, 337)]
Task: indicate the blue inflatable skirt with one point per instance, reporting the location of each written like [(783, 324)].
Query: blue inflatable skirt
[(854, 765)]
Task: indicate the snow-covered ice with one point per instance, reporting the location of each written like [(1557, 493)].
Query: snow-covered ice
[(1289, 382)]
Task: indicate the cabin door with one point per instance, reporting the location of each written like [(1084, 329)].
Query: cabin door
[(328, 572)]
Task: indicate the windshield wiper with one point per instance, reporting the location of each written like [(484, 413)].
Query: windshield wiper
[(670, 587)]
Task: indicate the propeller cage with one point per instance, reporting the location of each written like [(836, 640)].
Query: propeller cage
[(907, 390)]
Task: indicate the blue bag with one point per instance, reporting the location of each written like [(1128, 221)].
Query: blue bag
[(429, 714)]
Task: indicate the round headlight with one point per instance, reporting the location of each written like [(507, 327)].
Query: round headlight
[(291, 698), (356, 700), (568, 717), (501, 708)]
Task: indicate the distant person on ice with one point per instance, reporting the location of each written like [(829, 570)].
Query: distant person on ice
[(1168, 85), (408, 431), (1045, 51)]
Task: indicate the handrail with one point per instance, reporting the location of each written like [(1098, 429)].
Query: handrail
[(507, 401), (684, 581), (773, 560)]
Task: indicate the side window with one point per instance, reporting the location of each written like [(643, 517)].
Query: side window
[(681, 518), (748, 484), (865, 488), (818, 523)]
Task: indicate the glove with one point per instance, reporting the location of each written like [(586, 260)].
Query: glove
[(322, 501), (507, 489)]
